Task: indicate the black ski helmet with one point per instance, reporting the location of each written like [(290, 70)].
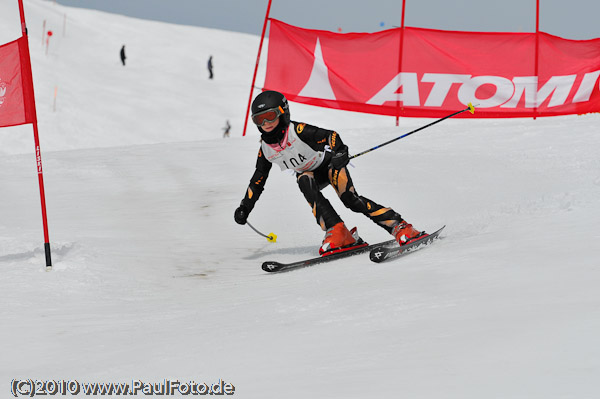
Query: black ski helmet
[(271, 99)]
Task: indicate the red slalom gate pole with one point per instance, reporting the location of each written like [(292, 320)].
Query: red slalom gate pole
[(537, 53), (262, 38), (30, 107), (400, 51)]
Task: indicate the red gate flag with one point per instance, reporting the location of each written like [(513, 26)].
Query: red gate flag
[(16, 87), (437, 72)]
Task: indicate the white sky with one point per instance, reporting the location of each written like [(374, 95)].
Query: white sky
[(576, 20)]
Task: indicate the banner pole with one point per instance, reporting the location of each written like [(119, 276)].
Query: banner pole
[(537, 55), (262, 37), (30, 108), (400, 58)]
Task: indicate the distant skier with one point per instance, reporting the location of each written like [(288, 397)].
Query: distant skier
[(319, 158), (226, 129), (210, 67), (123, 55)]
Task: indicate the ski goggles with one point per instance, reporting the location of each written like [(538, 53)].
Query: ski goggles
[(270, 115)]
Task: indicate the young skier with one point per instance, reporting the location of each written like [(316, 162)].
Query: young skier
[(319, 158)]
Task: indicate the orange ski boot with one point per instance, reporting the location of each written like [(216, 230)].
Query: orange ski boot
[(336, 237), (405, 233)]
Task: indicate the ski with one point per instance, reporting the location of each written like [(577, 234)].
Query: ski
[(275, 267), (384, 252)]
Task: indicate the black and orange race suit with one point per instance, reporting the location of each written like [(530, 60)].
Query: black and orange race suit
[(311, 182)]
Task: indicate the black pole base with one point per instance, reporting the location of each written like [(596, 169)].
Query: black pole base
[(48, 256)]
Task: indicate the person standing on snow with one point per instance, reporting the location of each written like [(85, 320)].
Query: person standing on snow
[(210, 67), (226, 129), (319, 158), (123, 55)]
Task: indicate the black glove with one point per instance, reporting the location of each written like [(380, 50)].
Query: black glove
[(340, 158), (241, 214)]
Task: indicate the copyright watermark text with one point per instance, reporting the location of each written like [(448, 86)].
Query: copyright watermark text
[(31, 388)]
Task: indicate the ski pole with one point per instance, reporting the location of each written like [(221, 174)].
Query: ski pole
[(470, 108), (272, 237)]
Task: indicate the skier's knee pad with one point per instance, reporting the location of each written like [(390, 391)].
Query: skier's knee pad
[(305, 181), (353, 202), (307, 185)]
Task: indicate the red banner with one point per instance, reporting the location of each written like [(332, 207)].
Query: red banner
[(431, 73), (16, 88)]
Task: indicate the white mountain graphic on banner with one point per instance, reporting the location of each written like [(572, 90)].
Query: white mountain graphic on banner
[(318, 85)]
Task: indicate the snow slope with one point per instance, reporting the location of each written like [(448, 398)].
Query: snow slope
[(153, 280)]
